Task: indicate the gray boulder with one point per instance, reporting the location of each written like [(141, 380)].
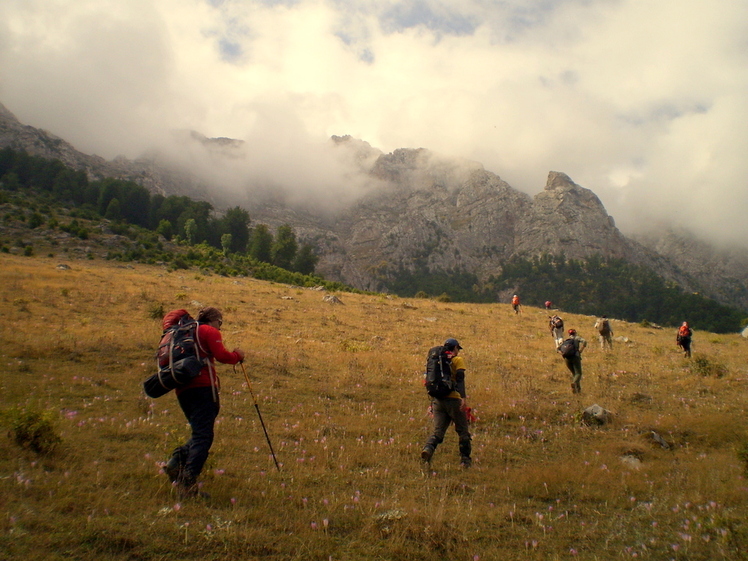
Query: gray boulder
[(596, 416)]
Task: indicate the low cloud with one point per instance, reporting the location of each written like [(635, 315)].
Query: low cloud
[(644, 103)]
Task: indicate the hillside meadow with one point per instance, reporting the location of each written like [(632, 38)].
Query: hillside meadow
[(340, 390)]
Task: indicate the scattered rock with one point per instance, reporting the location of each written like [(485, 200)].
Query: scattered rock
[(63, 267), (394, 514), (661, 441), (596, 415), (332, 299), (631, 461)]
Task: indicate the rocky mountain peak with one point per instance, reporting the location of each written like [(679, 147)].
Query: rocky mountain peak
[(6, 115), (558, 180), (424, 212)]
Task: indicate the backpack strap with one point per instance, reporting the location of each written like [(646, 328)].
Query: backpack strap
[(211, 370)]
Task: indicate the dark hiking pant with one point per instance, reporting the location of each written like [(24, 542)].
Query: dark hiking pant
[(447, 411), (201, 412), (685, 344), (574, 364)]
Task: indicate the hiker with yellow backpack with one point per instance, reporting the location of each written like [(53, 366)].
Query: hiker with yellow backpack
[(445, 384)]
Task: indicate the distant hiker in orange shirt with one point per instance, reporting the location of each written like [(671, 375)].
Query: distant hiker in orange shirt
[(683, 339), (515, 304)]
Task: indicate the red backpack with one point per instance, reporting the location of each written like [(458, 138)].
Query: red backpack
[(178, 356)]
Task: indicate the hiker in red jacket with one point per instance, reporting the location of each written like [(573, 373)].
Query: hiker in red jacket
[(199, 402), (515, 304)]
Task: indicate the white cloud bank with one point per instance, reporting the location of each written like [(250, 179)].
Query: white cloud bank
[(645, 103)]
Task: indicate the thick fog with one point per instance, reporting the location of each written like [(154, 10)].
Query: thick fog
[(645, 103)]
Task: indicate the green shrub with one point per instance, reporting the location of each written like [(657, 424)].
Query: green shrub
[(35, 430), (179, 263), (704, 366), (35, 220), (156, 310)]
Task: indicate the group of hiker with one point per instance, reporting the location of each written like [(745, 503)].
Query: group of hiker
[(452, 407), (199, 397)]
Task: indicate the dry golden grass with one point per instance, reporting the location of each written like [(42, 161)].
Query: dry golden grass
[(340, 390)]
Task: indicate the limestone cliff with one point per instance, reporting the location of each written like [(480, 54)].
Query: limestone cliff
[(422, 211)]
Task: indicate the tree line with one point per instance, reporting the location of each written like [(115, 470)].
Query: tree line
[(594, 286), (174, 217), (614, 287)]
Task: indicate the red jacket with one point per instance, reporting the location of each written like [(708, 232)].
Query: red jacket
[(210, 344)]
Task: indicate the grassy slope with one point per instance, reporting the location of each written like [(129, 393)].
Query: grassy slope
[(340, 389)]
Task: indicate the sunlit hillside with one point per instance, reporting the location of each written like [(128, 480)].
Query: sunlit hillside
[(339, 386)]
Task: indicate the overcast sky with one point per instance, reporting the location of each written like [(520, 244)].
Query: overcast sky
[(643, 101)]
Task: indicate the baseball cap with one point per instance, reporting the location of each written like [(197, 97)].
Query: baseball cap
[(452, 343)]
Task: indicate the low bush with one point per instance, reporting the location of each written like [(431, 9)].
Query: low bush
[(34, 430), (705, 366), (156, 310)]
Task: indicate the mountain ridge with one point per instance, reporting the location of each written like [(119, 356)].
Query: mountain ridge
[(423, 211)]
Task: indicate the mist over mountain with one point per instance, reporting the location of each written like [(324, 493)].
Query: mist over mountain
[(373, 216)]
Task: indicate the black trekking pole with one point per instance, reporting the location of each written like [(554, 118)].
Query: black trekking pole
[(254, 399)]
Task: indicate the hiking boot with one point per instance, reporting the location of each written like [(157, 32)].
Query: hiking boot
[(186, 491), (173, 468), (465, 462), (426, 454)]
